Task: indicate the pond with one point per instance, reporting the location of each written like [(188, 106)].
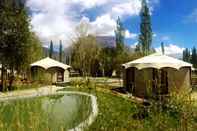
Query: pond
[(55, 112)]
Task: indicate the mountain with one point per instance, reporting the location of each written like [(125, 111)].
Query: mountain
[(106, 41)]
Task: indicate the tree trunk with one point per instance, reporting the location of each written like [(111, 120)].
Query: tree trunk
[(11, 79), (2, 78)]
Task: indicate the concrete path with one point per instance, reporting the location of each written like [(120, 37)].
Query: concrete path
[(47, 90)]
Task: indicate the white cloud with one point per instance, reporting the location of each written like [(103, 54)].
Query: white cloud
[(165, 38), (103, 25), (130, 35), (154, 35), (171, 49), (89, 3), (127, 8), (133, 46), (57, 19)]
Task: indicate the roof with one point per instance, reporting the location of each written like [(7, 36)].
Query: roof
[(47, 63), (157, 61)]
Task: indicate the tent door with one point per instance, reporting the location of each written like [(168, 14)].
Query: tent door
[(160, 82), (60, 76)]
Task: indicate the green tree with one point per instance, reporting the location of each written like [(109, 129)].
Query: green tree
[(145, 37), (14, 38), (106, 59), (51, 49), (120, 35), (187, 55), (162, 48), (60, 52), (85, 55), (194, 57), (119, 51)]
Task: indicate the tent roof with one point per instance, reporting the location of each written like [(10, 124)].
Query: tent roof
[(157, 61), (47, 63)]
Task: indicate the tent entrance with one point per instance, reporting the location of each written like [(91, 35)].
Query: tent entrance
[(130, 79), (60, 76), (160, 82)]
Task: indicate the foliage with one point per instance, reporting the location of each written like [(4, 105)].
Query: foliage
[(60, 52), (194, 57), (176, 112), (162, 48), (190, 56), (85, 55), (51, 49), (145, 37), (186, 55), (120, 35), (15, 38), (107, 61)]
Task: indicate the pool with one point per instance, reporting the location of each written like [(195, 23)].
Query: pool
[(61, 111)]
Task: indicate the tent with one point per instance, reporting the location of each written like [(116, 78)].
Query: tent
[(58, 72), (156, 74)]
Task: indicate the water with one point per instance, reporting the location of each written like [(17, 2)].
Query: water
[(57, 112)]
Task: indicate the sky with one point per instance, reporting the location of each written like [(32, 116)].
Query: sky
[(174, 22)]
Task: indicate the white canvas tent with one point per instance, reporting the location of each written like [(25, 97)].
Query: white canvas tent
[(156, 72), (59, 71)]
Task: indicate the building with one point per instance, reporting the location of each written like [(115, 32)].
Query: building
[(52, 70), (156, 75)]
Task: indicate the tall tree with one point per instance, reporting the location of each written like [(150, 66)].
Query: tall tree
[(51, 49), (187, 55), (120, 35), (145, 37), (162, 48), (194, 57), (60, 52), (85, 55), (119, 51), (14, 37)]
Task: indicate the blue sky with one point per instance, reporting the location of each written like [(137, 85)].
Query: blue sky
[(174, 22)]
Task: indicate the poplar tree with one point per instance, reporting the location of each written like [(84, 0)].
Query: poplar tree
[(162, 48), (60, 51), (194, 57), (145, 37), (51, 49), (120, 36)]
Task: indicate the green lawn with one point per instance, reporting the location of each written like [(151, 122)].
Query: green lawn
[(119, 114)]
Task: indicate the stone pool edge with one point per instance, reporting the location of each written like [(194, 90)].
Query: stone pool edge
[(52, 90)]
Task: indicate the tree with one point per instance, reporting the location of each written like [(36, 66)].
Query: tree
[(194, 57), (120, 35), (14, 38), (145, 37), (85, 55), (162, 48), (60, 52), (186, 55), (51, 49), (119, 51), (106, 59)]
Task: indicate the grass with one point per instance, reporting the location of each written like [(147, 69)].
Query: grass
[(120, 114), (49, 113), (115, 112)]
